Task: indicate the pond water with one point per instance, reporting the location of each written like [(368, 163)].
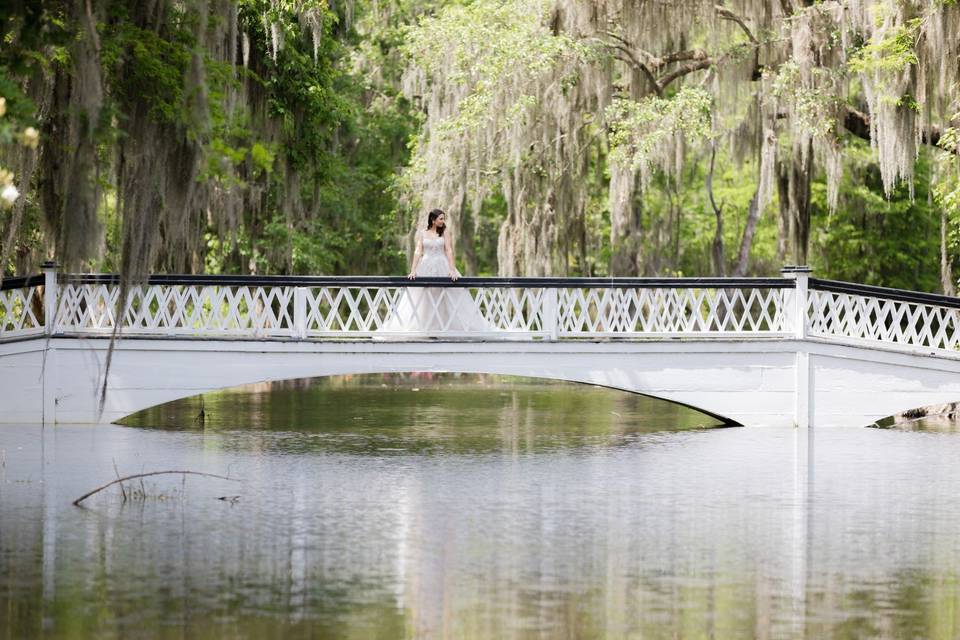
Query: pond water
[(474, 507)]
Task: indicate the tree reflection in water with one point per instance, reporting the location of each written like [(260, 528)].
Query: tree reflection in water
[(477, 508)]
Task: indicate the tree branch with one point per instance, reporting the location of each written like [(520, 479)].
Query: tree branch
[(696, 59), (717, 246), (636, 63), (77, 502), (726, 14), (679, 56), (685, 69), (858, 123), (628, 49)]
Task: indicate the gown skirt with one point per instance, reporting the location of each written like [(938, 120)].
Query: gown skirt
[(432, 310)]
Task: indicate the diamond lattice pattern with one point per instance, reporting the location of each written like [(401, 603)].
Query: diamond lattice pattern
[(671, 311), (876, 319), (179, 310), (21, 311)]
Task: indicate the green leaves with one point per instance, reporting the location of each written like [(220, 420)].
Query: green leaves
[(484, 50), (891, 50), (638, 128), (814, 105), (146, 68), (946, 191)]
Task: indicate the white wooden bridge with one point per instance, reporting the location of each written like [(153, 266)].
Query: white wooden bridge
[(754, 351)]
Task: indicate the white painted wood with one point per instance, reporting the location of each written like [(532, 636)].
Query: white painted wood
[(17, 316), (664, 311), (364, 312), (300, 312), (751, 383), (50, 296), (870, 319), (803, 398), (791, 356), (21, 382), (801, 292)]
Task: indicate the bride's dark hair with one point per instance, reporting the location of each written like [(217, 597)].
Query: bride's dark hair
[(433, 215)]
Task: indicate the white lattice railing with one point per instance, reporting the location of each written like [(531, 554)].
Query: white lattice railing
[(373, 311), (637, 312), (838, 310), (303, 308), (178, 310), (397, 309), (21, 308), (298, 312)]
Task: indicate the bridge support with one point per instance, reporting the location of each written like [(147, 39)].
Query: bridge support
[(804, 384), (753, 384), (803, 395), (49, 364)]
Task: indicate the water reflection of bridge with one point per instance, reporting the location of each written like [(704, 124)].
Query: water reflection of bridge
[(755, 351)]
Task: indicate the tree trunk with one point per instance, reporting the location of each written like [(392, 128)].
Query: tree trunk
[(54, 154), (82, 191), (794, 178), (783, 215), (626, 233), (467, 229), (527, 244), (719, 268), (746, 242), (946, 272), (507, 258)]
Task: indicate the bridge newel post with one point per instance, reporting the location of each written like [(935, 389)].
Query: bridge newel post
[(551, 313), (48, 374), (801, 277), (804, 390), (300, 312), (50, 295)]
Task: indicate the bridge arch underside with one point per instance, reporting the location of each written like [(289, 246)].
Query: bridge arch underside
[(756, 383)]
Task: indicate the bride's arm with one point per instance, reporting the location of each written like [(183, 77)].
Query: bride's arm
[(417, 254), (448, 249)]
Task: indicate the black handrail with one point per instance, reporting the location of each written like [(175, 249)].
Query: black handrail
[(21, 282), (901, 295), (400, 281)]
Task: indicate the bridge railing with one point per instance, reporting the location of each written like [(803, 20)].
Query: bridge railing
[(21, 307), (323, 308), (867, 314), (389, 307)]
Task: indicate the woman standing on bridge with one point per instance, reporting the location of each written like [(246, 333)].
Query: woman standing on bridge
[(434, 309), (433, 257)]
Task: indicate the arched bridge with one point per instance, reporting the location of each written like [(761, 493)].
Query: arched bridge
[(782, 351)]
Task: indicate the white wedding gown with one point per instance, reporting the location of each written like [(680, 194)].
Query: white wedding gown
[(431, 310)]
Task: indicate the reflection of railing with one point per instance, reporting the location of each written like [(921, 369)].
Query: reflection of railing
[(323, 308)]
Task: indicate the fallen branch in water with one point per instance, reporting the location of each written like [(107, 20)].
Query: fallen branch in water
[(77, 502)]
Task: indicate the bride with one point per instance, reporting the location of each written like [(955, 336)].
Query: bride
[(433, 309), (433, 257)]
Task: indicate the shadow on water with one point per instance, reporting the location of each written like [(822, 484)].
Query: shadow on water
[(424, 413)]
